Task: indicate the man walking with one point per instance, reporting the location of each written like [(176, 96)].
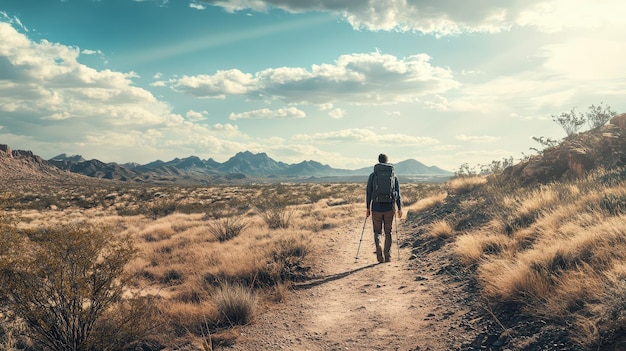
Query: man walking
[(382, 197)]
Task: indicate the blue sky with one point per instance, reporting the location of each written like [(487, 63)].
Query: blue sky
[(445, 82)]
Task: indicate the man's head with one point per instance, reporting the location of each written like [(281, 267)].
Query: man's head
[(382, 158)]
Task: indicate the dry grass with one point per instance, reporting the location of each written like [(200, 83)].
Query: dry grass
[(558, 250), (440, 229), (425, 204), (463, 185), (207, 254), (227, 228), (235, 304), (471, 248)]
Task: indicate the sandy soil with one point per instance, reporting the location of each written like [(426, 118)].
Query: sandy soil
[(359, 304)]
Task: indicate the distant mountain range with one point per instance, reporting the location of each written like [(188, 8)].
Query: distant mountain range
[(242, 165)]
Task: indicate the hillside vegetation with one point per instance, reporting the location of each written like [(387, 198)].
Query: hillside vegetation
[(544, 242)]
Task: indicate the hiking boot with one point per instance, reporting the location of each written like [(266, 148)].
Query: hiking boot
[(379, 254), (387, 259)]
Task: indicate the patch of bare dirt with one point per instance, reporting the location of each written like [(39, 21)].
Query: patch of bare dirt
[(407, 304)]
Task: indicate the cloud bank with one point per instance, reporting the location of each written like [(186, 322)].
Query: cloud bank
[(449, 17), (370, 78)]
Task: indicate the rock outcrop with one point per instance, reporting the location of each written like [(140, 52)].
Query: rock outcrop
[(5, 151), (576, 155)]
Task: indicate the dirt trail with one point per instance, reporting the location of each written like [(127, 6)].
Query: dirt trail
[(361, 305)]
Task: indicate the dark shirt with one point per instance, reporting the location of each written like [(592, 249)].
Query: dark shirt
[(381, 206)]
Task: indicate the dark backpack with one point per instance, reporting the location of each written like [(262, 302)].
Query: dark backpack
[(384, 182)]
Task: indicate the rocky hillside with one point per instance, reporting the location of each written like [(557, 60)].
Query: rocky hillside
[(19, 165), (601, 147)]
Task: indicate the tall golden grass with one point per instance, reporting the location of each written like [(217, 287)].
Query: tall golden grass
[(558, 250)]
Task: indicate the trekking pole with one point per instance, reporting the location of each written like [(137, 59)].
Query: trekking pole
[(397, 243), (359, 248)]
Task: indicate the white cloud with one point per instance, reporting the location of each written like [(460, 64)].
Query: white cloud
[(195, 116), (47, 80), (446, 17), (587, 59), (479, 139), (197, 6), (337, 113), (45, 92), (228, 128), (365, 136), (158, 83), (218, 85), (371, 78), (12, 20), (326, 107), (437, 102), (572, 71), (91, 52), (558, 15), (265, 113)]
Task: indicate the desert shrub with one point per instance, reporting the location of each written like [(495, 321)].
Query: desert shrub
[(597, 116), (289, 254), (131, 323), (235, 304), (571, 121), (545, 143), (161, 208), (227, 228), (276, 216), (62, 280)]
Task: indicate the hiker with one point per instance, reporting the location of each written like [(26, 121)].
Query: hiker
[(382, 197)]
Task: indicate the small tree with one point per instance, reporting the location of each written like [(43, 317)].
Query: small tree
[(496, 167), (465, 170), (597, 116), (61, 280), (571, 121), (545, 142)]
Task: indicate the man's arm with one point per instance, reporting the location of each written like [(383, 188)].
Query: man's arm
[(398, 198), (368, 194)]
